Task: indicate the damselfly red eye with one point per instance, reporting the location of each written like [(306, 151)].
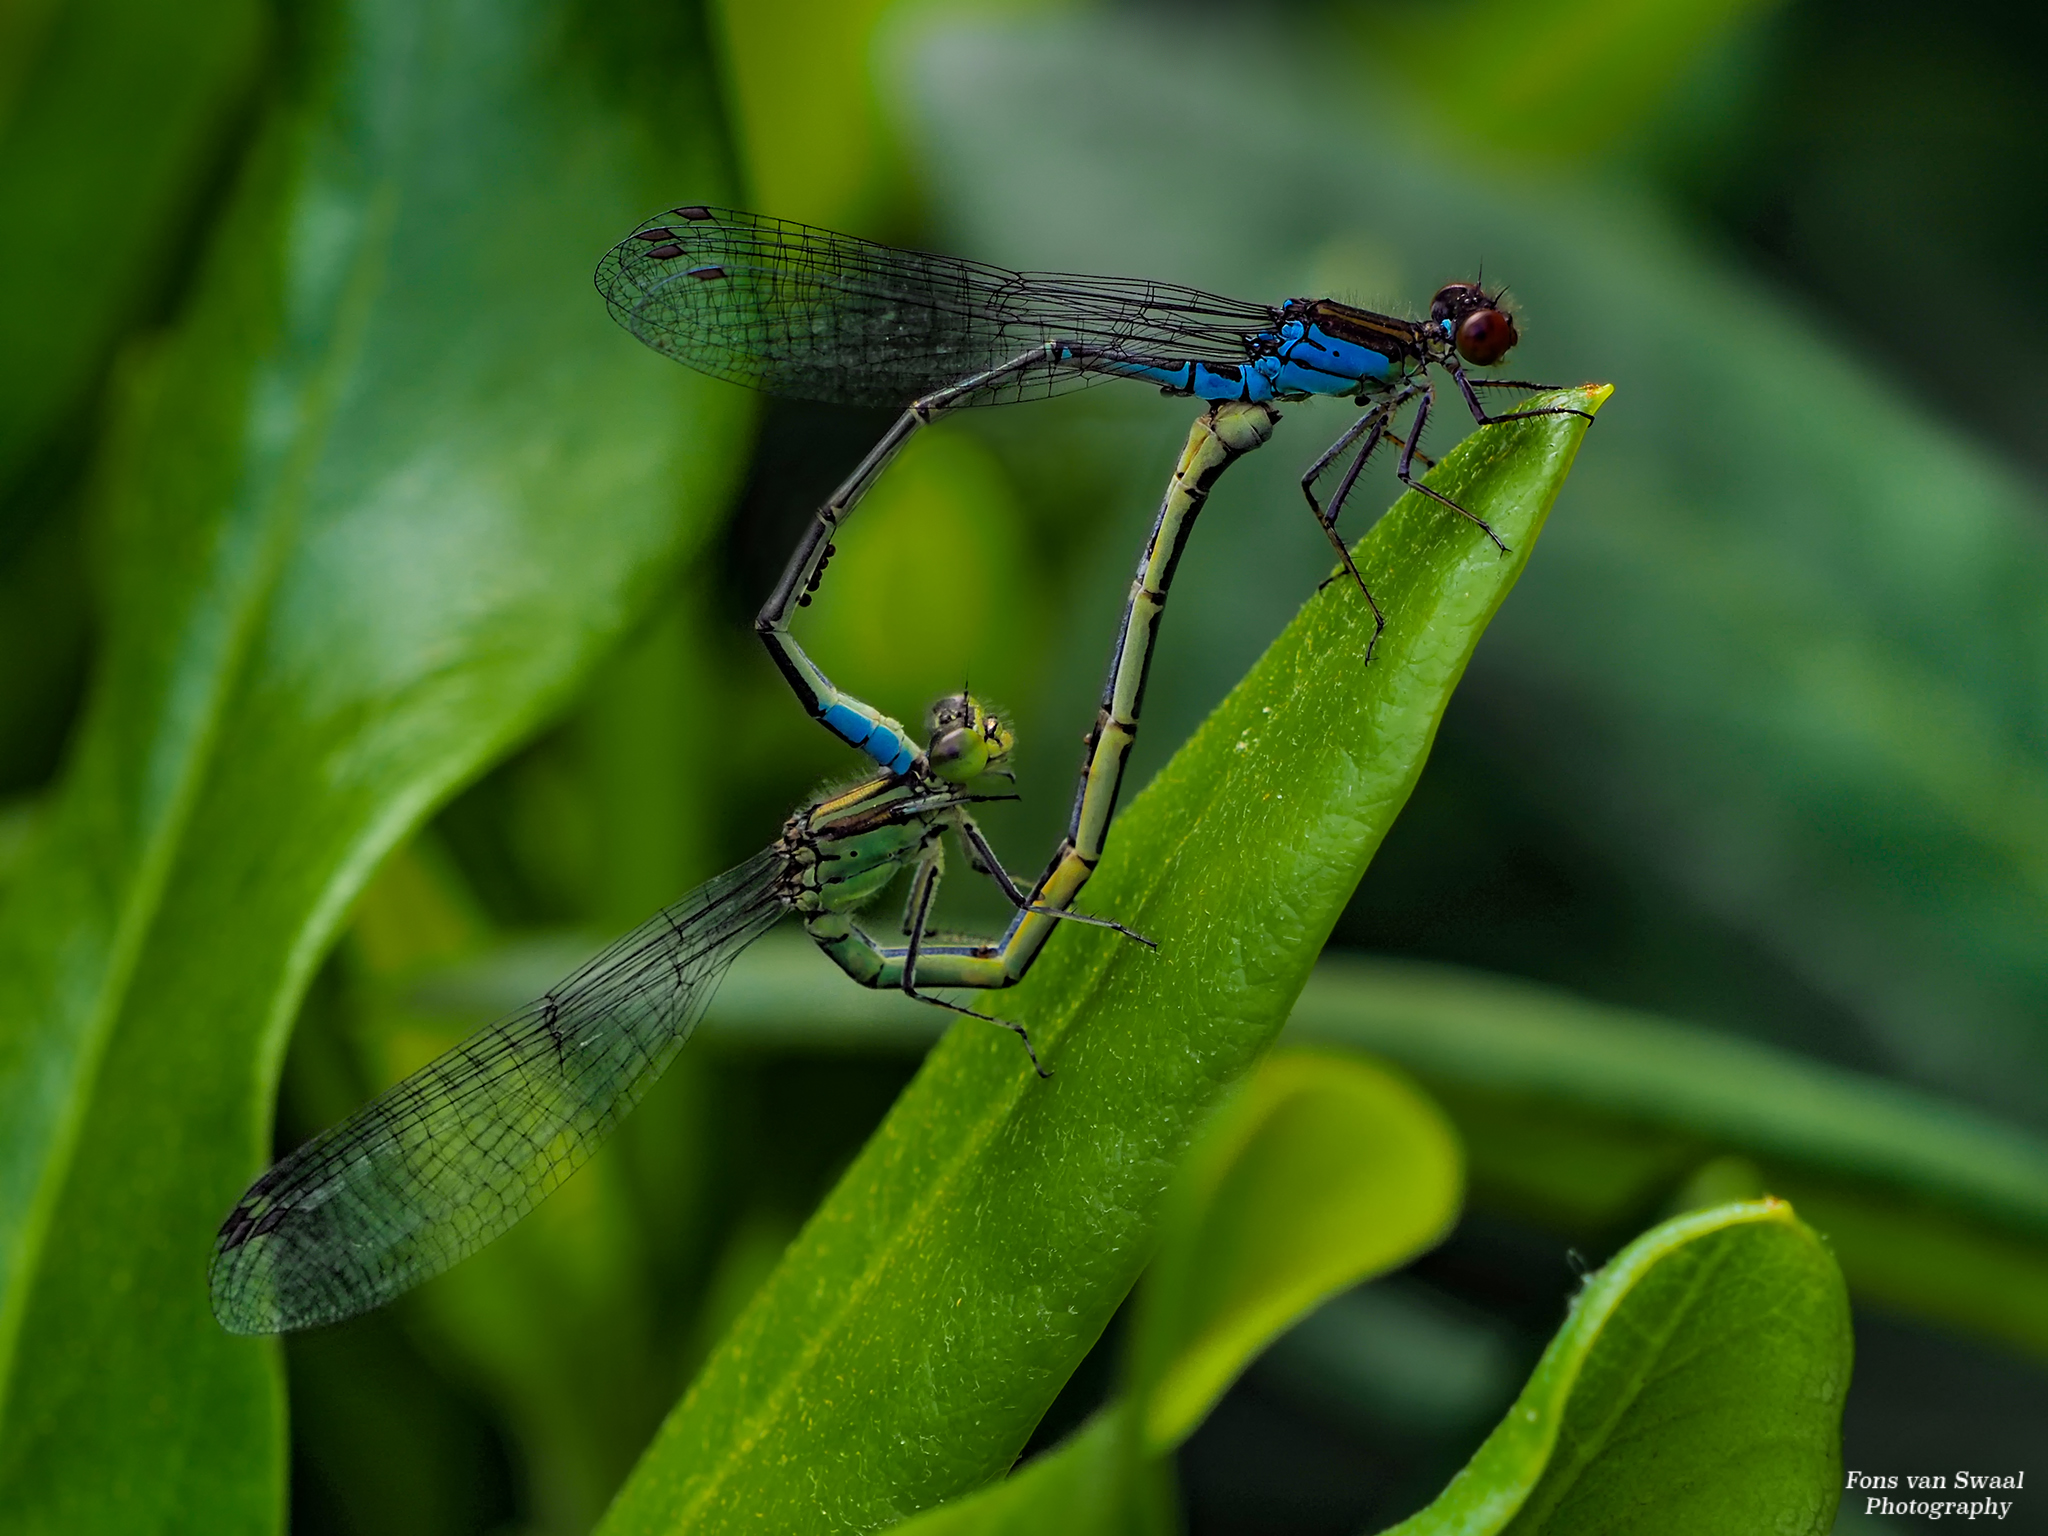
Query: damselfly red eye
[(1485, 336)]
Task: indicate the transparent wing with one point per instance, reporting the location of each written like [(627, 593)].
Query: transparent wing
[(429, 1171), (803, 312)]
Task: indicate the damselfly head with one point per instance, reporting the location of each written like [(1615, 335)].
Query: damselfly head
[(1482, 331), (967, 740)]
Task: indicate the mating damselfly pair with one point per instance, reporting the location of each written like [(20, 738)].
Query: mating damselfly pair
[(449, 1158)]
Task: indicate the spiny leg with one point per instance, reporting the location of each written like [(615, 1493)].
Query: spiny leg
[(1014, 1026), (1374, 423), (983, 857), (917, 914), (852, 720), (1479, 412), (924, 891), (1404, 472)]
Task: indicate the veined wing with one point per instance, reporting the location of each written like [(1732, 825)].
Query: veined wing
[(432, 1169), (803, 312)]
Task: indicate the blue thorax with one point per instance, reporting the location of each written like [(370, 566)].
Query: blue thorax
[(1299, 358)]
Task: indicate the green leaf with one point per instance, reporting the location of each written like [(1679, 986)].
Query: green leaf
[(810, 140), (388, 494), (113, 118), (1323, 1172), (974, 1252), (1328, 1171), (1585, 1117), (1697, 1388), (1080, 1488), (110, 111), (1592, 74)]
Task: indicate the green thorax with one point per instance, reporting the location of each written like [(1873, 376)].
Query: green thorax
[(844, 850)]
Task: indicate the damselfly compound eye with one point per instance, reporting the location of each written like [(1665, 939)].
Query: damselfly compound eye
[(958, 756), (1485, 336)]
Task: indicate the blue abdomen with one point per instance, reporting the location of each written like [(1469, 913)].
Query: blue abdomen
[(1205, 381)]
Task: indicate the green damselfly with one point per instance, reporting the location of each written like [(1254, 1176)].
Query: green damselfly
[(440, 1164), (448, 1159)]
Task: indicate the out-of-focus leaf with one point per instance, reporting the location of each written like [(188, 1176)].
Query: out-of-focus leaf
[(384, 1441), (1788, 652), (650, 779), (390, 491), (810, 139), (975, 1251), (110, 112), (112, 119), (1589, 74), (1586, 1116), (1322, 1173), (45, 625), (556, 1325), (1398, 1363), (1328, 1172), (1696, 1390)]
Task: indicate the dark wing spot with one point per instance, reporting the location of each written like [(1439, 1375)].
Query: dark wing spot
[(666, 252), (243, 1226), (651, 235), (706, 273), (695, 213), (236, 1230), (550, 1020)]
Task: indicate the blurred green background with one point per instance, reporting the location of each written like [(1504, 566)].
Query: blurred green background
[(456, 677)]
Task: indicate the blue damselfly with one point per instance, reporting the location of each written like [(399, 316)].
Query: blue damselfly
[(806, 313)]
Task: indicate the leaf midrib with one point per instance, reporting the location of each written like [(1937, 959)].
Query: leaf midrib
[(1560, 1477), (153, 869)]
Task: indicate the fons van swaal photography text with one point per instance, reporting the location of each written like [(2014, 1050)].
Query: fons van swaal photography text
[(1934, 1509)]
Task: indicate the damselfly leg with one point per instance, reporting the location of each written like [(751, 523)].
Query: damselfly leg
[(1375, 427), (852, 720), (1218, 439), (1480, 414)]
